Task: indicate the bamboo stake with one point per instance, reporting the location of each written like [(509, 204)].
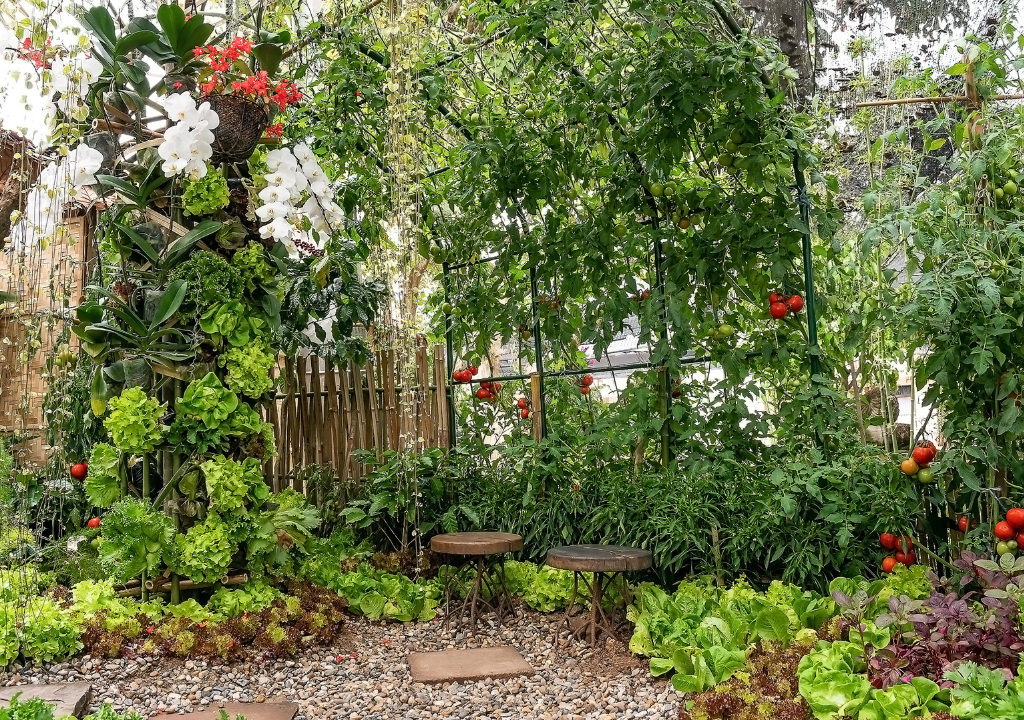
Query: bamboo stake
[(935, 99), (371, 382)]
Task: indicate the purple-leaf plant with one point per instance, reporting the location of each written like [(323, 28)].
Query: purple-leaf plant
[(954, 626)]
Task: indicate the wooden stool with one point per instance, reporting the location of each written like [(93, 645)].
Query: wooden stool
[(607, 563), (487, 550)]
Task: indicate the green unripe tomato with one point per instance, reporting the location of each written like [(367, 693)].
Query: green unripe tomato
[(1010, 188), (1012, 544), (1002, 548), (925, 475), (657, 189)]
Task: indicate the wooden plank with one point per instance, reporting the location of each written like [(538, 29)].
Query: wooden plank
[(374, 416), (288, 422), (347, 422), (361, 417), (333, 416), (272, 470), (424, 428), (301, 417), (394, 401), (320, 449)]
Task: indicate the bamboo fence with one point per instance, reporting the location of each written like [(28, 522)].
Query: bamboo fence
[(323, 413)]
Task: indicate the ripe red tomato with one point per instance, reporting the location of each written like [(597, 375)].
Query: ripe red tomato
[(588, 380), (524, 413), (94, 523), (585, 390), (888, 540), (473, 370), (922, 456), (778, 310), (888, 564), (775, 297), (1015, 516), (645, 294), (1005, 531), (521, 402), (964, 524), (910, 558), (486, 384), (497, 387), (905, 542), (1020, 539), (795, 304), (483, 393), (901, 557), (79, 471)]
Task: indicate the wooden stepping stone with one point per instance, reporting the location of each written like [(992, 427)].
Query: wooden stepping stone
[(250, 711), (499, 663), (69, 698)]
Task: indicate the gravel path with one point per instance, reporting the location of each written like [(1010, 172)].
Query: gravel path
[(366, 678)]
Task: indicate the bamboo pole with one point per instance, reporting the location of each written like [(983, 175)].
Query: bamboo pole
[(934, 99), (333, 416), (538, 409), (375, 415), (302, 415)]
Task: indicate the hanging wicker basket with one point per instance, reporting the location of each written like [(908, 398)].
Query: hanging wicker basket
[(242, 124)]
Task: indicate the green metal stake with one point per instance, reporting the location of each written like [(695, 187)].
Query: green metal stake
[(145, 495), (666, 380), (450, 353), (538, 350)]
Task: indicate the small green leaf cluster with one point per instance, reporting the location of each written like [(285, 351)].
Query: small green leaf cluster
[(134, 421), (280, 534), (833, 681), (249, 368), (206, 195), (211, 279), (204, 553), (542, 588), (253, 596), (136, 538), (701, 631), (103, 483), (233, 322), (232, 486), (252, 264), (37, 629)]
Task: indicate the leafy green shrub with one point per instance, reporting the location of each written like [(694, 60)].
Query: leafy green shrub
[(253, 266), (38, 709), (253, 596), (211, 279), (984, 694), (135, 537), (249, 368), (208, 401), (206, 195), (700, 617), (278, 539), (834, 683), (385, 596), (233, 322), (231, 485), (103, 483), (204, 553), (542, 588), (44, 631), (134, 421)]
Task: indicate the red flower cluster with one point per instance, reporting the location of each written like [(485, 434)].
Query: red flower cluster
[(282, 94), (38, 57), (220, 60), (275, 131)]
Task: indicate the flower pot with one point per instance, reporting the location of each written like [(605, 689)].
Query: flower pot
[(242, 124)]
